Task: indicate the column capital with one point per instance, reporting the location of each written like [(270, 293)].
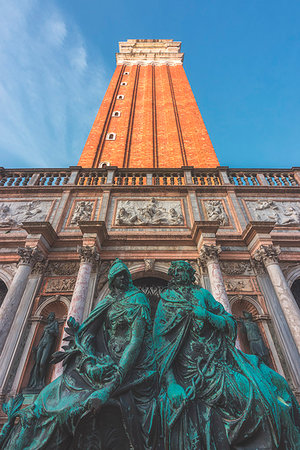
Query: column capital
[(209, 253), (88, 254), (29, 255), (268, 254)]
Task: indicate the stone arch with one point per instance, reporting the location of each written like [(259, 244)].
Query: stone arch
[(57, 304), (292, 276), (7, 273)]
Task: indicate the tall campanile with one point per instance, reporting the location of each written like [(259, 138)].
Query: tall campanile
[(149, 117)]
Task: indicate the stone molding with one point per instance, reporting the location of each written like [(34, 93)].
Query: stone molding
[(268, 254)]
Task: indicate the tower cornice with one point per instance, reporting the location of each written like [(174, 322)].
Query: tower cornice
[(149, 51)]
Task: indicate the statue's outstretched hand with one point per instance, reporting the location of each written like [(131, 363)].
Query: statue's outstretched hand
[(96, 401), (176, 394)]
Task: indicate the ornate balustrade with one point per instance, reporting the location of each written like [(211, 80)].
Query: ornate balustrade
[(185, 176)]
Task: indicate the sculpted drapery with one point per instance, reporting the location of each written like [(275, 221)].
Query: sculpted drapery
[(211, 395)]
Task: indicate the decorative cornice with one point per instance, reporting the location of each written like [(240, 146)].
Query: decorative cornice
[(43, 228), (149, 51), (209, 253), (29, 255), (88, 254), (268, 254)]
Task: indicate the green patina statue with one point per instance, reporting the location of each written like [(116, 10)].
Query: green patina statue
[(106, 397), (256, 342), (214, 396)]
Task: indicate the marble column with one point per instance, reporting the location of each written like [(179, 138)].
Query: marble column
[(88, 256), (29, 256), (268, 255), (209, 256)]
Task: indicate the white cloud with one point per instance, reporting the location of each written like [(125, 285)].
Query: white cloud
[(49, 89)]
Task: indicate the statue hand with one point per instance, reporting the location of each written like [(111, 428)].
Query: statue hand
[(95, 373), (176, 394), (96, 400), (200, 313)]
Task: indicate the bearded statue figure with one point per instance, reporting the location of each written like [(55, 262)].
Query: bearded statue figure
[(214, 396), (106, 396)]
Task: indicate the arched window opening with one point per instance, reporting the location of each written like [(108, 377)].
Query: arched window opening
[(3, 291), (111, 136), (296, 291)]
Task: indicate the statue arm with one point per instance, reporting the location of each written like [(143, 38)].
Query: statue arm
[(133, 348)]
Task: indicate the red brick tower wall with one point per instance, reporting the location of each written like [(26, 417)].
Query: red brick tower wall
[(160, 123)]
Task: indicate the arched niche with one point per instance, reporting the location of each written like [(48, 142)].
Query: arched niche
[(3, 291), (238, 305), (251, 305), (57, 304)]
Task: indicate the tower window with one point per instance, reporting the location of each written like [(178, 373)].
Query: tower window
[(120, 97), (123, 83), (126, 73), (116, 114), (104, 164), (111, 136)]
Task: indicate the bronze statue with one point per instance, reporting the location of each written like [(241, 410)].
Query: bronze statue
[(106, 396), (214, 396), (256, 343), (43, 352)]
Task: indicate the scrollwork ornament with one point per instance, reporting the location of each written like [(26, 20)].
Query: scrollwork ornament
[(268, 254), (29, 255), (39, 267)]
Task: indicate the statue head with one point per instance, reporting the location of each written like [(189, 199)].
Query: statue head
[(247, 315), (51, 317), (119, 277), (182, 273)]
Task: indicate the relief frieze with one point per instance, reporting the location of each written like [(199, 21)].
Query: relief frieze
[(60, 285), (215, 211), (12, 214), (149, 212), (283, 213)]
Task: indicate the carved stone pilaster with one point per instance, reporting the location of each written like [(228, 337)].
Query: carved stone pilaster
[(29, 255), (268, 254), (88, 254), (209, 253)]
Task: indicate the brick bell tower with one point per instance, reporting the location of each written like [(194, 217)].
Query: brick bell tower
[(149, 117)]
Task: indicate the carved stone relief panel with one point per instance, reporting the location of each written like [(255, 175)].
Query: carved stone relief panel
[(237, 285), (215, 211), (12, 214), (150, 212), (82, 210), (62, 268), (236, 267), (60, 284), (281, 212)]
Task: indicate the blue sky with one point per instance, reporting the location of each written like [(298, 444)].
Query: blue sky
[(242, 59)]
